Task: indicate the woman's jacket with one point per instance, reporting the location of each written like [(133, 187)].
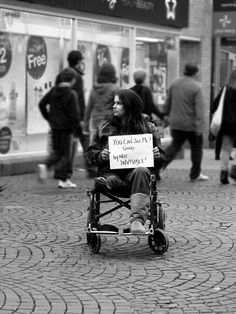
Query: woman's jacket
[(228, 126), (100, 142)]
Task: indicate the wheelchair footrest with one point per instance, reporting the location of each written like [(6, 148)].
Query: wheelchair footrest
[(110, 229), (126, 232), (105, 229)]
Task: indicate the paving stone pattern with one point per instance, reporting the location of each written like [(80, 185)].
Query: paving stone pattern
[(46, 266)]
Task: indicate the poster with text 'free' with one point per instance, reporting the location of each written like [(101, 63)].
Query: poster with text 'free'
[(131, 151)]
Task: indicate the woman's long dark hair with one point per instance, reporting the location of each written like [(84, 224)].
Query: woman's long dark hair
[(134, 122)]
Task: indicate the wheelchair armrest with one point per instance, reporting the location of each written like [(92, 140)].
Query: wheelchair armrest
[(101, 184)]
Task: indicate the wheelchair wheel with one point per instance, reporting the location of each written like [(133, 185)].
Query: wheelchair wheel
[(93, 210), (161, 223), (94, 242), (158, 242)]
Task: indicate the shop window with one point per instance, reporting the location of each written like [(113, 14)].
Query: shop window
[(31, 47), (99, 43), (190, 51), (152, 55)]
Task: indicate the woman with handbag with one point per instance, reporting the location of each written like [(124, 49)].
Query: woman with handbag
[(228, 127)]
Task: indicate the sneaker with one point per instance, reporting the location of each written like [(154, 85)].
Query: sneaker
[(66, 184), (137, 227), (201, 177), (42, 173)]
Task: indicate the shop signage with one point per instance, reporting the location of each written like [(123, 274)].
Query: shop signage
[(36, 56), (173, 13), (5, 54), (224, 5), (224, 24)]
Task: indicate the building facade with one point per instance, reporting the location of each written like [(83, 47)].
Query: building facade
[(158, 36), (224, 42)]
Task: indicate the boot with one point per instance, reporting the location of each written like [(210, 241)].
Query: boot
[(232, 172), (140, 204), (224, 177)]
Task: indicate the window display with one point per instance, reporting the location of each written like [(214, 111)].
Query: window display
[(29, 63), (12, 86), (34, 48), (154, 55), (42, 68)]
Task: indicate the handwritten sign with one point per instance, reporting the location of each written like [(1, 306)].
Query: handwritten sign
[(131, 151)]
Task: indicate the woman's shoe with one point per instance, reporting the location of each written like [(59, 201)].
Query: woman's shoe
[(137, 227), (224, 177)]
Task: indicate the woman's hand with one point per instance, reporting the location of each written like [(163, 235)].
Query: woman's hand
[(156, 152), (105, 154)]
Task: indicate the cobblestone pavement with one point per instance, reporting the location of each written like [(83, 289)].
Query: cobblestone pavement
[(46, 266)]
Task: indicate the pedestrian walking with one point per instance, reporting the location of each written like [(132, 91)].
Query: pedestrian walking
[(149, 108), (75, 61), (185, 107), (228, 126), (127, 119), (60, 108), (101, 98)]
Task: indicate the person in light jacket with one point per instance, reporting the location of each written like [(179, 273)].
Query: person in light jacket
[(185, 108)]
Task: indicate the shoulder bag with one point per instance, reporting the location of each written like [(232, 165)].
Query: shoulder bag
[(217, 115)]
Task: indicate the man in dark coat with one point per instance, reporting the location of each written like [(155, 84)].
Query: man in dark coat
[(60, 108), (75, 61)]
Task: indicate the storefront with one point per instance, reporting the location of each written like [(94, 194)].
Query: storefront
[(36, 36), (224, 42)]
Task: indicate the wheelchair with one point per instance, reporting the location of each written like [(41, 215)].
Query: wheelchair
[(100, 194)]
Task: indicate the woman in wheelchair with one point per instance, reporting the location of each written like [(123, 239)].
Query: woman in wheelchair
[(127, 119)]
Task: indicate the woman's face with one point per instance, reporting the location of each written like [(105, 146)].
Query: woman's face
[(118, 108)]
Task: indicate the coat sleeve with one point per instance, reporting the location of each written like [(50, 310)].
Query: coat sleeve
[(167, 105), (159, 161), (74, 114), (199, 107), (215, 103), (79, 89), (88, 111), (93, 155), (44, 104)]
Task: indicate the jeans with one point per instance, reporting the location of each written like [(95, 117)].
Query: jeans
[(226, 150), (137, 183), (60, 156), (196, 143), (84, 141)]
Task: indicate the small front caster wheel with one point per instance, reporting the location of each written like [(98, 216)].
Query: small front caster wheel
[(94, 242), (158, 242)]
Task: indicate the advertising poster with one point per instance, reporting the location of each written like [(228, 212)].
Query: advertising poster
[(115, 55), (124, 68), (12, 90), (42, 67), (102, 55), (158, 70)]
